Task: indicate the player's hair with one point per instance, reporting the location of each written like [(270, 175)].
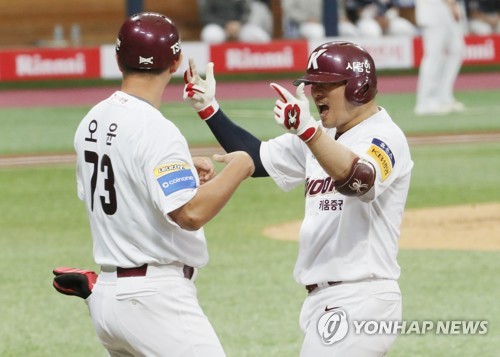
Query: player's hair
[(341, 61)]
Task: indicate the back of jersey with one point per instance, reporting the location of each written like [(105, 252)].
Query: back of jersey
[(125, 149)]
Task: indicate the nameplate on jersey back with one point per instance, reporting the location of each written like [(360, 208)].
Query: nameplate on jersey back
[(174, 176), (383, 156)]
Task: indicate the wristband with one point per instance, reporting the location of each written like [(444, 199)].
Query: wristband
[(207, 112)]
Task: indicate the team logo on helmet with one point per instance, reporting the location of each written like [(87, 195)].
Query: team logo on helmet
[(292, 115), (143, 60), (313, 59), (176, 47)]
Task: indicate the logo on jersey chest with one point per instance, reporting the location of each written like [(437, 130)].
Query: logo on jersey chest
[(316, 187)]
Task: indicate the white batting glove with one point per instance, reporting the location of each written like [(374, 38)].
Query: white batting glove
[(292, 112), (200, 93)]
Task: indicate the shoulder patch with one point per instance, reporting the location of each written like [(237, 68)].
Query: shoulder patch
[(383, 156), (174, 176)]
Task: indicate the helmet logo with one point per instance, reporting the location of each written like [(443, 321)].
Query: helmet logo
[(143, 60), (313, 59), (118, 43), (292, 115), (176, 47), (360, 67)]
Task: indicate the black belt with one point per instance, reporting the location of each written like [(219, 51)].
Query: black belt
[(141, 271), (312, 287)]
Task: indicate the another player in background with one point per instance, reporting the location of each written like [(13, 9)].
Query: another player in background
[(443, 41), (376, 18), (356, 167), (234, 20), (483, 16), (147, 200)]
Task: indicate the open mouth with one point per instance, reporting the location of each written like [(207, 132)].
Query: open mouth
[(323, 110)]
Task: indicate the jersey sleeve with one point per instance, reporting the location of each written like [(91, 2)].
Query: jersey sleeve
[(284, 158), (169, 171), (390, 156)]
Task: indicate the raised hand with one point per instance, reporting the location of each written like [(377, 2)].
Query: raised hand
[(292, 112), (199, 93)]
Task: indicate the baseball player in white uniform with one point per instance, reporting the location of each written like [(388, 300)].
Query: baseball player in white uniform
[(441, 23), (147, 200), (356, 167)]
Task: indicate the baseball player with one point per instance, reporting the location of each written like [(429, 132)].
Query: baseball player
[(355, 165), (147, 200), (443, 45)]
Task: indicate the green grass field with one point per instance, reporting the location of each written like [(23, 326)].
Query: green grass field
[(247, 290)]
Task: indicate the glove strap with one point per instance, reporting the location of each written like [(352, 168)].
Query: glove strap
[(309, 132), (207, 112)]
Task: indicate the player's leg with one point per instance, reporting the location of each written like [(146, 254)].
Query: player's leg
[(451, 68), (180, 325), (146, 316), (330, 319), (429, 76)]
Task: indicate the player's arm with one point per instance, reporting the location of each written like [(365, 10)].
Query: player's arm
[(353, 176), (205, 168), (200, 94), (212, 196)]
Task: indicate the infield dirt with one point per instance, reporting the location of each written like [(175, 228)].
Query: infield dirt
[(470, 227)]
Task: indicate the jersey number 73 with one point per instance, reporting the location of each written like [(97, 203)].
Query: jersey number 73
[(108, 206)]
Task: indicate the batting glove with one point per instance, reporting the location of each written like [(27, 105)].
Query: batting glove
[(200, 93), (292, 112), (73, 281)]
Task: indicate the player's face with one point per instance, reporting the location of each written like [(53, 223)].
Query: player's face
[(333, 109)]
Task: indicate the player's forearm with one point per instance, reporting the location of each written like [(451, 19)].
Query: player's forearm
[(213, 195), (233, 138), (334, 158)]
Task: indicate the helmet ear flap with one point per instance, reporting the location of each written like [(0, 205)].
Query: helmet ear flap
[(360, 90)]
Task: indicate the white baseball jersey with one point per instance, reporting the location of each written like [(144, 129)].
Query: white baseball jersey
[(133, 168), (347, 238)]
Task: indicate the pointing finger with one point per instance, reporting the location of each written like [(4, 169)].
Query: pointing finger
[(209, 75), (300, 92), (282, 92)]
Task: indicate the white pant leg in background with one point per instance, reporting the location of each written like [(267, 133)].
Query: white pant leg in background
[(455, 46), (370, 300), (443, 46)]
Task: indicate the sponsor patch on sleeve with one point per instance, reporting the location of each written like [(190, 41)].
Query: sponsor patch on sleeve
[(174, 177), (383, 157)]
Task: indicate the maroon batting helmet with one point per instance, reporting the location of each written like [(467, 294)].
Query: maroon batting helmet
[(147, 41), (341, 61)]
